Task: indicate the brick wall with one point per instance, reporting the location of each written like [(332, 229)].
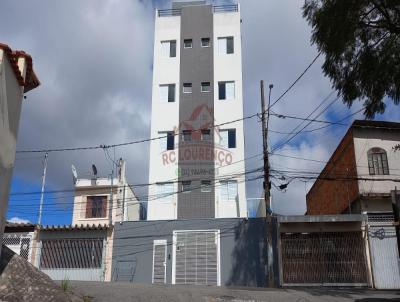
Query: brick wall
[(332, 196)]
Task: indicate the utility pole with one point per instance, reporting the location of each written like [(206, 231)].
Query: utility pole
[(266, 185), (42, 191)]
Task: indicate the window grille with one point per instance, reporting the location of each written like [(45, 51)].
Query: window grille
[(71, 253), (377, 162)]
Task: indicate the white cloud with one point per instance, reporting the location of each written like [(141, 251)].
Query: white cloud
[(18, 220)]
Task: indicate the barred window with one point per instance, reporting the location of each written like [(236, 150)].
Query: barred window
[(377, 162), (71, 253)]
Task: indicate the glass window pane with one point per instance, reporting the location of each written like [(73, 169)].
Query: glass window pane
[(205, 42), (187, 43), (205, 186), (162, 140), (229, 45), (187, 135), (222, 46), (186, 186), (171, 93), (221, 91), (170, 141), (232, 190), (165, 46), (172, 50), (187, 87), (205, 87), (223, 191), (163, 93), (224, 138), (230, 90), (232, 138)]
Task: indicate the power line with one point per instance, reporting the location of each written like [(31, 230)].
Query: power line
[(130, 142), (295, 82)]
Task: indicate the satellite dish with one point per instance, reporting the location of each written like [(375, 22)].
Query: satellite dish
[(94, 169), (74, 174)]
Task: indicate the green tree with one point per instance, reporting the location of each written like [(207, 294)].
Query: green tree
[(361, 43)]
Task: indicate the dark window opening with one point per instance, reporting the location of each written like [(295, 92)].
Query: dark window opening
[(229, 45), (170, 141), (187, 43), (96, 207), (205, 42), (171, 93)]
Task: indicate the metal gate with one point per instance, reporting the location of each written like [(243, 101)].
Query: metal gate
[(330, 259), (19, 243), (159, 261), (384, 252), (196, 257)]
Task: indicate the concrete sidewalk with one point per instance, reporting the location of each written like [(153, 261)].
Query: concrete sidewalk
[(120, 291)]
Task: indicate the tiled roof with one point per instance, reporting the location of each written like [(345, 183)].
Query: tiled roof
[(31, 80), (19, 225), (375, 124), (70, 227)]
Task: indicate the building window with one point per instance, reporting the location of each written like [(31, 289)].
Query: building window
[(186, 135), (377, 162), (206, 186), (228, 190), (168, 49), (167, 93), (228, 138), (165, 191), (186, 186), (187, 87), (187, 43), (226, 90), (205, 135), (225, 45), (167, 140), (96, 207), (205, 42), (205, 87)]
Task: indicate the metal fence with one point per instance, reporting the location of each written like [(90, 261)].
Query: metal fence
[(324, 259), (71, 253), (18, 243)]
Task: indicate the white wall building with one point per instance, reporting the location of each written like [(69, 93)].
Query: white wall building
[(197, 168)]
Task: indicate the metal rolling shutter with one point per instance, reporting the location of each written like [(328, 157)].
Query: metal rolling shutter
[(159, 261), (196, 258)]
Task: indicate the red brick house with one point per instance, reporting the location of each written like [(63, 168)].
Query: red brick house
[(361, 173)]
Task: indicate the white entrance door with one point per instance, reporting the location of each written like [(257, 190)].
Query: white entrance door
[(196, 257), (159, 261)]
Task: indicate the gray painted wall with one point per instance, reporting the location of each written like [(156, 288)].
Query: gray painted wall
[(196, 66), (243, 250)]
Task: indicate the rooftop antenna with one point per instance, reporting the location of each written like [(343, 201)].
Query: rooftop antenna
[(74, 174), (94, 169)]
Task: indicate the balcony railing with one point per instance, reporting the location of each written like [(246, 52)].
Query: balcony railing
[(216, 9), (226, 8)]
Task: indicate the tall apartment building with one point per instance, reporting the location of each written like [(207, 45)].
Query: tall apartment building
[(197, 168)]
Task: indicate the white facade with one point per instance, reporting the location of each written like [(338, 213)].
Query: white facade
[(163, 167), (121, 202), (366, 139)]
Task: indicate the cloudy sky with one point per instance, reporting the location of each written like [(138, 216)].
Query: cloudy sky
[(94, 60)]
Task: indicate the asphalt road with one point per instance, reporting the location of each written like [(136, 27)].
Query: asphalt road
[(120, 291)]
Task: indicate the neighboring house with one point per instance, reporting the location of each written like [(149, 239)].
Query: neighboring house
[(16, 78), (361, 173), (19, 237), (93, 203), (197, 85), (83, 250)]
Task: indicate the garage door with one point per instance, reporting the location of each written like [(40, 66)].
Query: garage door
[(196, 257)]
